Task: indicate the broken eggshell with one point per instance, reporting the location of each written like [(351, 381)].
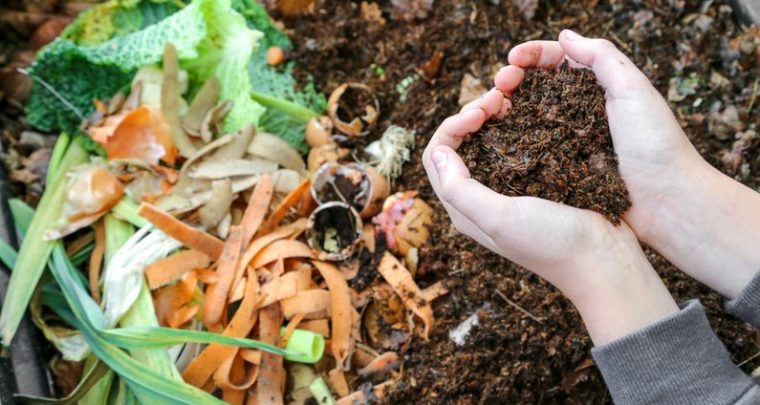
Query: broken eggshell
[(379, 189), (322, 154), (318, 131), (358, 185), (333, 231), (404, 221), (347, 183), (339, 109)]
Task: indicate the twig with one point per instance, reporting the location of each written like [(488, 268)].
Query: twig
[(754, 356), (521, 309), (54, 92), (620, 42), (753, 97)]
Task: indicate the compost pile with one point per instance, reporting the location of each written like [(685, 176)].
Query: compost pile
[(554, 144), (516, 339), (209, 231)]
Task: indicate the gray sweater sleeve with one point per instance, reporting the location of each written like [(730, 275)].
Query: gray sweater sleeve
[(679, 360)]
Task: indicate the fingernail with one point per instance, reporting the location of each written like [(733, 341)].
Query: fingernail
[(439, 160), (570, 35)]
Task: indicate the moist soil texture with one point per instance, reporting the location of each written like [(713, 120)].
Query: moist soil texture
[(693, 52), (690, 49), (350, 189), (335, 228), (554, 144)]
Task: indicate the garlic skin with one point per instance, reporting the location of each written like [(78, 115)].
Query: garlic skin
[(389, 153), (318, 131)]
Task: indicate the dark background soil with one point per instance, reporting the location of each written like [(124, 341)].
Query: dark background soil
[(554, 144), (692, 48), (511, 358)]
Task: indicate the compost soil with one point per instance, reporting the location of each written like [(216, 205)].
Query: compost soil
[(554, 144), (692, 51), (345, 188)]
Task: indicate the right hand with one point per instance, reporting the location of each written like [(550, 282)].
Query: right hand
[(680, 205)]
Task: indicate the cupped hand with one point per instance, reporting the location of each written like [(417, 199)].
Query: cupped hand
[(599, 266), (705, 223)]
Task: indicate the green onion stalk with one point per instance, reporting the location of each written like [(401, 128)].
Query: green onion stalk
[(33, 255)]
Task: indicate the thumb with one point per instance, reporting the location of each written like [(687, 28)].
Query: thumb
[(614, 71), (477, 203)]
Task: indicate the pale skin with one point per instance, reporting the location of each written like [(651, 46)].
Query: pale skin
[(705, 223)]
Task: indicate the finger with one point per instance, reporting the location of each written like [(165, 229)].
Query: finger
[(451, 181), (465, 226), (506, 107), (453, 129), (537, 54), (508, 78), (614, 71), (491, 103)]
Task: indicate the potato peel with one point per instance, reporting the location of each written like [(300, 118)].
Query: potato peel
[(401, 280)]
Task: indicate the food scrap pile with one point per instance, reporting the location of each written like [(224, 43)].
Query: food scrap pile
[(554, 144), (184, 250)]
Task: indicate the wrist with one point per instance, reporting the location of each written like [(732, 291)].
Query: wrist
[(710, 229), (619, 293)]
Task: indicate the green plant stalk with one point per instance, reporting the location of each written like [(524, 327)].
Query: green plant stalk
[(61, 145), (148, 386), (126, 209), (98, 393), (309, 346), (156, 337), (121, 394), (8, 254), (142, 312), (80, 257), (35, 251), (22, 215), (321, 393), (290, 108)]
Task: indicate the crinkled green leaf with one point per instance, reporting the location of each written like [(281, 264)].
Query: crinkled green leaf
[(225, 52), (60, 99), (184, 29)]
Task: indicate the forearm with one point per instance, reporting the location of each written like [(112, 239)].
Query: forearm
[(627, 297), (711, 230)]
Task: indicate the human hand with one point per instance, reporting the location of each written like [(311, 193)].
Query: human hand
[(599, 266), (702, 221)]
